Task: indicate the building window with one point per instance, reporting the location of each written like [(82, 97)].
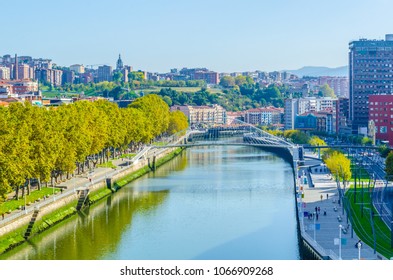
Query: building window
[(383, 129)]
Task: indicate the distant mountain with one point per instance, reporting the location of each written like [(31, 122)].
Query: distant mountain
[(317, 71)]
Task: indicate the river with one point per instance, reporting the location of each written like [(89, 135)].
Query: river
[(207, 203)]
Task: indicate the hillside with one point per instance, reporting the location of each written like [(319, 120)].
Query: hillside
[(317, 71)]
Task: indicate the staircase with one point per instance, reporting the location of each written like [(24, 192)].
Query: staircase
[(31, 224), (83, 195)]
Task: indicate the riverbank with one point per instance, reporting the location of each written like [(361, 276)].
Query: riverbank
[(64, 205)]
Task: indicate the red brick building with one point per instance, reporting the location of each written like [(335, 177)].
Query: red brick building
[(381, 112)]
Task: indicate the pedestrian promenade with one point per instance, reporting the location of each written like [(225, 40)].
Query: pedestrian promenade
[(69, 187), (320, 209)]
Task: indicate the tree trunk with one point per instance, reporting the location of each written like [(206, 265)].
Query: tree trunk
[(17, 193), (23, 191), (28, 186), (39, 184)]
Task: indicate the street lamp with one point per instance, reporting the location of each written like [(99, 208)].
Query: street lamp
[(359, 245), (339, 241), (315, 230)]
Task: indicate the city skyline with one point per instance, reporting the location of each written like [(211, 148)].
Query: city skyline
[(225, 36)]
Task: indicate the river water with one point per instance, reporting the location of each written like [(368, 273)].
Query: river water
[(208, 203)]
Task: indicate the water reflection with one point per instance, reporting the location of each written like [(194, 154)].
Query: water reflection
[(92, 233), (208, 203)]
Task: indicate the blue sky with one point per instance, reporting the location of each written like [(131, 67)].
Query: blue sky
[(222, 35)]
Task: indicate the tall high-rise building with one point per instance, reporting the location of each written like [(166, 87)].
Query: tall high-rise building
[(104, 73), (291, 110), (370, 73), (5, 73), (16, 68), (24, 72)]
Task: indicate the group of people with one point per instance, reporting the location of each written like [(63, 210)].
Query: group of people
[(316, 213)]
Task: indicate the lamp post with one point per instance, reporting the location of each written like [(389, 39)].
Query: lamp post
[(315, 229), (339, 241), (359, 245)]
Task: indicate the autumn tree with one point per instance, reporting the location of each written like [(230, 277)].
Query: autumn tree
[(177, 122), (156, 110), (339, 165)]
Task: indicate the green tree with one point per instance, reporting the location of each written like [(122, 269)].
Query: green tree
[(297, 136), (327, 91), (241, 80), (177, 122), (136, 76), (117, 76), (366, 141), (383, 150), (227, 81), (167, 100), (389, 165), (156, 110)]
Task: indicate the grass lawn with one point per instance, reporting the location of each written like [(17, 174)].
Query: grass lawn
[(128, 156), (360, 172), (179, 89), (108, 164), (52, 94), (362, 225), (160, 144), (34, 195)]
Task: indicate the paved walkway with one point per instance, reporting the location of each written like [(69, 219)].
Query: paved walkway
[(321, 193)]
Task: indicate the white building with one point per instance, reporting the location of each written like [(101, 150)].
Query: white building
[(214, 114), (5, 73)]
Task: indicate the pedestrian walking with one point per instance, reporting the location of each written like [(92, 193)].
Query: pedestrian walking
[(327, 196), (319, 210), (324, 212), (317, 216), (316, 209), (2, 215), (321, 197)]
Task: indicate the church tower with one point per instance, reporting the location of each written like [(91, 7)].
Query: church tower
[(119, 64)]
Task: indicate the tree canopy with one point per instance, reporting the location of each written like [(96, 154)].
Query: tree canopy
[(326, 91), (338, 164), (46, 143)]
